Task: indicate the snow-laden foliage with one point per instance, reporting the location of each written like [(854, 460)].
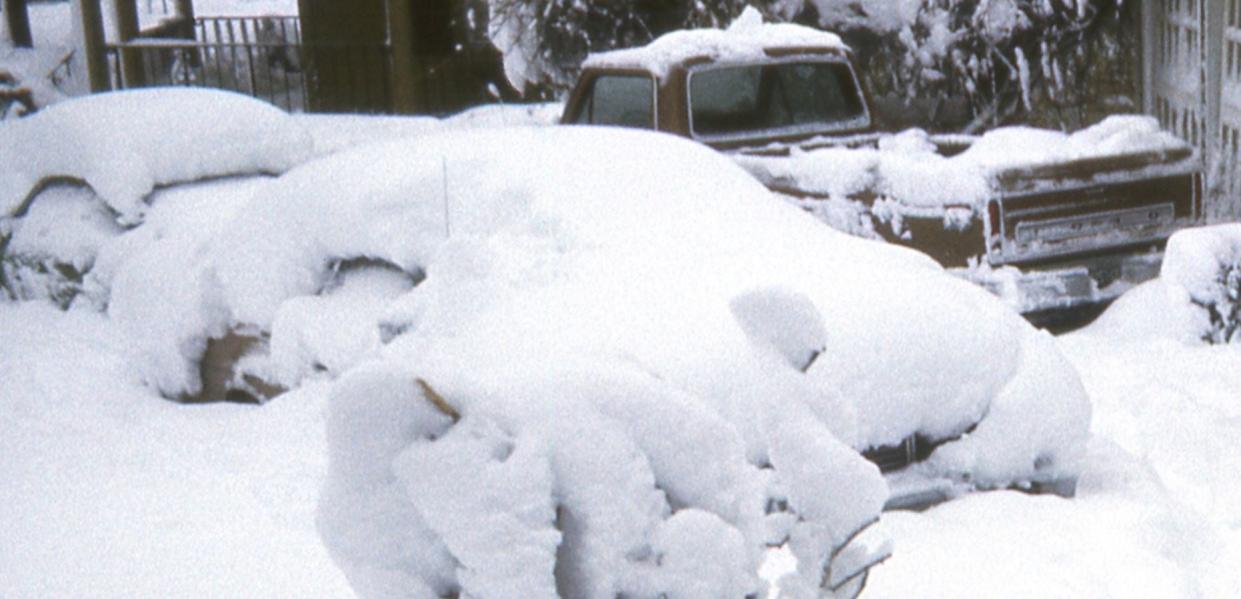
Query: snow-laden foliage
[(1197, 297), (1004, 57)]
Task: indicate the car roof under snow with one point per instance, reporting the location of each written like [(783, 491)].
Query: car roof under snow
[(748, 38)]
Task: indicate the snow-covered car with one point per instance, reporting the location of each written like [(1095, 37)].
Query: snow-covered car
[(559, 365)]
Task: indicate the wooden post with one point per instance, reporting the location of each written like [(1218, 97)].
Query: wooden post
[(1213, 63), (92, 43), (19, 23), (1150, 52), (185, 9), (400, 36), (126, 16)]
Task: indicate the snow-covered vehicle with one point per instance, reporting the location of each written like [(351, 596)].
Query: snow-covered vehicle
[(1046, 220), (558, 366)]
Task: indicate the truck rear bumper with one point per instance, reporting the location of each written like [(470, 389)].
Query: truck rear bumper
[(1067, 285)]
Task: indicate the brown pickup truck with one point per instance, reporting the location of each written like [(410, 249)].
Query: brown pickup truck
[(1046, 220)]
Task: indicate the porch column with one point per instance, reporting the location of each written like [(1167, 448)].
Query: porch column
[(19, 23), (126, 16), (400, 36), (90, 40)]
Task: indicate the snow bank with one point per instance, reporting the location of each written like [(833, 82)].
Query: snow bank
[(747, 38), (120, 144), (907, 169)]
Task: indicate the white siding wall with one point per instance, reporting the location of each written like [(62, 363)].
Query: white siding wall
[(1193, 85)]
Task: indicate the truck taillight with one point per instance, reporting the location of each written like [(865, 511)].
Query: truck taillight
[(995, 234)]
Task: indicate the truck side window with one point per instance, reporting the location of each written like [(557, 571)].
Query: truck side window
[(621, 100)]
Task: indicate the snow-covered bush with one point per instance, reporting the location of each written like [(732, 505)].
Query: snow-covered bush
[(1206, 263), (1197, 297)]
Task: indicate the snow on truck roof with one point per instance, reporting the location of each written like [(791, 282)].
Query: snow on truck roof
[(748, 38)]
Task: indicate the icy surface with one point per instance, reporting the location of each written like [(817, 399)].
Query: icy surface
[(746, 39), (119, 144)]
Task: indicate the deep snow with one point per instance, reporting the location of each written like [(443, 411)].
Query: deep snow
[(113, 492)]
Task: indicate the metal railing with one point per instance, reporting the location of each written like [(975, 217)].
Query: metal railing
[(268, 58), (262, 57)]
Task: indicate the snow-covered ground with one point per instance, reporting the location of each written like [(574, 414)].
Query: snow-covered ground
[(112, 491)]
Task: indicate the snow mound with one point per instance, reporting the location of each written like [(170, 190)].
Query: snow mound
[(121, 145), (747, 38)]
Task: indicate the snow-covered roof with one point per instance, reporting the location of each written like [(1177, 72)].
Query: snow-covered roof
[(748, 38)]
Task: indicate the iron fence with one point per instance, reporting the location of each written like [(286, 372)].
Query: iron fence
[(260, 56)]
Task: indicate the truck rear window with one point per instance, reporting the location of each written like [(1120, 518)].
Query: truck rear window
[(621, 100), (784, 98)]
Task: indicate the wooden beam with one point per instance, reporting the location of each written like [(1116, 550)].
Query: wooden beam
[(19, 23), (400, 36)]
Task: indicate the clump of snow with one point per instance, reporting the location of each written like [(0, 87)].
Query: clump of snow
[(1009, 147), (119, 144), (332, 331), (51, 248), (511, 30), (787, 321), (748, 38)]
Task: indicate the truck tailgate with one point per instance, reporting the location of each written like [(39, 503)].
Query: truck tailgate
[(1055, 212)]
